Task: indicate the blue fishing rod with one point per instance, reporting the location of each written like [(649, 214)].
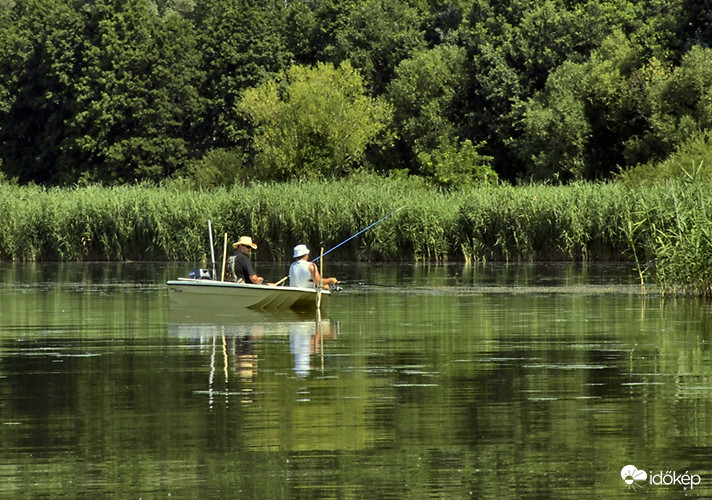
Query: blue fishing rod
[(360, 232), (348, 239)]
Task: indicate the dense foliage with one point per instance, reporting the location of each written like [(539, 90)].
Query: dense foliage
[(116, 91), (303, 130), (665, 228)]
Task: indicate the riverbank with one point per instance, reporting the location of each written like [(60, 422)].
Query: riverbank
[(666, 228)]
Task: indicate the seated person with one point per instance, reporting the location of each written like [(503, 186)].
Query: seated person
[(305, 274), (239, 267)]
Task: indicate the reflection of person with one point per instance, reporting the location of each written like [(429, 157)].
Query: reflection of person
[(300, 345), (245, 358), (239, 266), (306, 339), (305, 274)]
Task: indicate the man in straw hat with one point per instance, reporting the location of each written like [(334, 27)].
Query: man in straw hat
[(305, 274), (239, 266)]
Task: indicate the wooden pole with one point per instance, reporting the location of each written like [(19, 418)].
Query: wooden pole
[(222, 278), (321, 278), (321, 267), (212, 248)]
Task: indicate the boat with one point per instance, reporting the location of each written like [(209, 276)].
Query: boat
[(195, 293)]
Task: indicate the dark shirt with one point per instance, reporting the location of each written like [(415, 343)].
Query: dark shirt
[(243, 268)]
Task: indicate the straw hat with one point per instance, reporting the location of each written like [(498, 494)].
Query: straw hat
[(244, 240), (300, 251)]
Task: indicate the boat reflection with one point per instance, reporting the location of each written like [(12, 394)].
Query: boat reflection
[(238, 345)]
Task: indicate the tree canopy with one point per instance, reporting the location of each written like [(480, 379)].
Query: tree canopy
[(314, 122), (115, 91)]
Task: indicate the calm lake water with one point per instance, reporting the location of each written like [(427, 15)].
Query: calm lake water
[(418, 381)]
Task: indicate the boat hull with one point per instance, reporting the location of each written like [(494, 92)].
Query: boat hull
[(193, 293)]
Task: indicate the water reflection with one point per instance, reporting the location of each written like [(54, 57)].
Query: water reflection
[(232, 342), (533, 381)]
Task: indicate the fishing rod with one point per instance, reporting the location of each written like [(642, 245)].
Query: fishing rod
[(348, 239), (361, 231)]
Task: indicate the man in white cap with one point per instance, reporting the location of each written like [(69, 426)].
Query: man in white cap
[(239, 266), (305, 274)]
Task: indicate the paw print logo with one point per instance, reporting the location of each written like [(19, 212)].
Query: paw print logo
[(631, 475)]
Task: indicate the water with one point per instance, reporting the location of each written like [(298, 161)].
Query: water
[(418, 381)]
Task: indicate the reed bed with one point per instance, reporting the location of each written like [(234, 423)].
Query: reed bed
[(666, 228), (578, 222), (669, 233)]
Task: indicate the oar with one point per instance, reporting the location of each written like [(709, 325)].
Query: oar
[(347, 240)]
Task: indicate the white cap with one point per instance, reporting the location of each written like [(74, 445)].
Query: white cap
[(300, 251)]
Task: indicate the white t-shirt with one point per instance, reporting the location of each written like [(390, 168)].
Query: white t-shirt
[(299, 274)]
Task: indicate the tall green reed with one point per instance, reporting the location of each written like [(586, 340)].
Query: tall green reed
[(665, 228), (670, 229), (541, 222)]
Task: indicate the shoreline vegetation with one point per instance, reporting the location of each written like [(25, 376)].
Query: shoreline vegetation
[(665, 228)]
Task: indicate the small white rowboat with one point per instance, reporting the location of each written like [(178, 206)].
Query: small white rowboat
[(188, 292)]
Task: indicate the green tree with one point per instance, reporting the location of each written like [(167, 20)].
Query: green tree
[(574, 128), (515, 45), (312, 122), (311, 27), (242, 46), (217, 167), (615, 110), (426, 94), (691, 161), (377, 36), (673, 104), (456, 165), (682, 104), (443, 20), (694, 24), (12, 38), (138, 106), (557, 131), (40, 43)]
